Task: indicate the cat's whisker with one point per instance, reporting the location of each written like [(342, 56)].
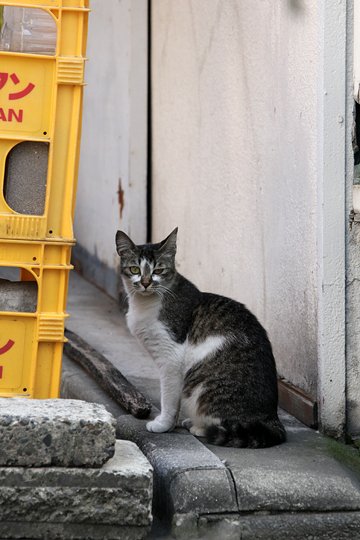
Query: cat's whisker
[(167, 290), (131, 293)]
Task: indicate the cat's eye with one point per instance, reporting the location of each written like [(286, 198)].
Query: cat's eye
[(134, 269), (158, 271)]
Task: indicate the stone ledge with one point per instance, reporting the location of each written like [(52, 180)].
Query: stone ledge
[(187, 476), (111, 502), (301, 526), (67, 433), (72, 531), (294, 526), (298, 476)]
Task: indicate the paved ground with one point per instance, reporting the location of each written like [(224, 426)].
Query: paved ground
[(301, 489)]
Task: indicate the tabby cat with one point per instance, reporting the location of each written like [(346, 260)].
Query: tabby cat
[(212, 353)]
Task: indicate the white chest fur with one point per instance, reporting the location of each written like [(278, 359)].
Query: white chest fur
[(143, 322), (143, 311)]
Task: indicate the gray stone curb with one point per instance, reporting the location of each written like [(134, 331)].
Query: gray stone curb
[(35, 433), (187, 476), (288, 526), (70, 531), (334, 526), (299, 476), (58, 502)]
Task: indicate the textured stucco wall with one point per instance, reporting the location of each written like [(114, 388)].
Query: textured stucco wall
[(353, 337), (113, 147), (235, 159), (353, 238)]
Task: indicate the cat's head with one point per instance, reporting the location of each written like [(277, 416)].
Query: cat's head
[(148, 268)]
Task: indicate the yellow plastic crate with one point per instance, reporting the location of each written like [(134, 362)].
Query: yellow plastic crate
[(40, 102), (31, 342)]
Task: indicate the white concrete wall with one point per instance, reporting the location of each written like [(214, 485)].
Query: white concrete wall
[(353, 238), (333, 132), (114, 139), (355, 34), (235, 159)]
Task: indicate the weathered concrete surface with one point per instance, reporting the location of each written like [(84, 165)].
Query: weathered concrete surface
[(111, 502), (298, 526), (34, 433), (298, 476), (18, 296), (71, 531), (188, 477), (334, 526)]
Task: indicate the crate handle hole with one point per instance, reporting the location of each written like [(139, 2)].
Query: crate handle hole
[(27, 30), (25, 177), (18, 290)]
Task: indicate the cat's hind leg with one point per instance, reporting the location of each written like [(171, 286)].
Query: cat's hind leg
[(187, 423), (197, 430), (197, 423)]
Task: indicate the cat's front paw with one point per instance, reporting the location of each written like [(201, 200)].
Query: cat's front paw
[(159, 426)]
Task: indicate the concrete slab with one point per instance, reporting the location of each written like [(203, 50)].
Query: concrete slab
[(297, 526), (188, 477), (111, 502), (299, 476), (35, 433)]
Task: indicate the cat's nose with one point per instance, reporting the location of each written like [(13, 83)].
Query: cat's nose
[(145, 282)]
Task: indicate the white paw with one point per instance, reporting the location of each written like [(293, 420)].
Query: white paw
[(187, 423), (197, 431), (159, 426)]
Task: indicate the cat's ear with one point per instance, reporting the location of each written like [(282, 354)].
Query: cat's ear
[(123, 243), (169, 244)]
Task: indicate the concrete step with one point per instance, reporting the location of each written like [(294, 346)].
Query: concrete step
[(287, 491), (110, 502), (67, 433)]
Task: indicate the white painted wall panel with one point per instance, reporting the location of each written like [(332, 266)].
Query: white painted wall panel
[(235, 159), (114, 140)]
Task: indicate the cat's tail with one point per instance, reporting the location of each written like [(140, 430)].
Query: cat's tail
[(256, 434)]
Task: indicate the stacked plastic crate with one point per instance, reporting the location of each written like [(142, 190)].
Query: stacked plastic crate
[(42, 60)]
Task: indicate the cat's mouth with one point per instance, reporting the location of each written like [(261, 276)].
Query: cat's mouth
[(145, 292)]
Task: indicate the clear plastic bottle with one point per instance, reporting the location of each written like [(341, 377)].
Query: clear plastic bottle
[(29, 30)]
